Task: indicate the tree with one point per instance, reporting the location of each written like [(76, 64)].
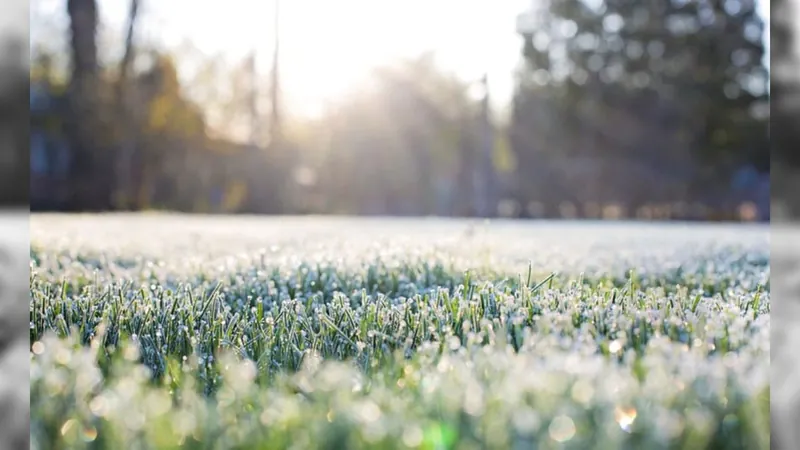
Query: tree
[(172, 129), (396, 146), (127, 118), (90, 178), (727, 82), (13, 125), (665, 88), (440, 127)]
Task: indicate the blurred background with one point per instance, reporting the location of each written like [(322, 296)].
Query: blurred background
[(13, 121), (598, 109), (784, 129)]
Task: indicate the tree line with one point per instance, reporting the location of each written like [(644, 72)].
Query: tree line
[(620, 104)]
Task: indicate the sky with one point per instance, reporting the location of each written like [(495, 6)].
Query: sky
[(328, 47)]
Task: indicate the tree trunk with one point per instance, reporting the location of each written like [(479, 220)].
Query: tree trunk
[(125, 91), (88, 179), (14, 138)]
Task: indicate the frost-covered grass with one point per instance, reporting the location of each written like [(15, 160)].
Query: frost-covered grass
[(180, 332)]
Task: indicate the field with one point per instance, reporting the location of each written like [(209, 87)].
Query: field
[(167, 331)]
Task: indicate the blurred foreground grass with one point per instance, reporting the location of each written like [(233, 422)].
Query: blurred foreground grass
[(169, 332)]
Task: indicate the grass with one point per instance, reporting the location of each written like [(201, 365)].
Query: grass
[(169, 332)]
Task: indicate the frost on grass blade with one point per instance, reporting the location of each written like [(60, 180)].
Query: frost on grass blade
[(389, 336)]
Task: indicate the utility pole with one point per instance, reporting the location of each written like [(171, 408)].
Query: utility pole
[(484, 176), (255, 119), (275, 118)]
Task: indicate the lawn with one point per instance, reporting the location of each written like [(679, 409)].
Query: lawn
[(169, 331)]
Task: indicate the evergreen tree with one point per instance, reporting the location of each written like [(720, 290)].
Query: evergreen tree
[(666, 86)]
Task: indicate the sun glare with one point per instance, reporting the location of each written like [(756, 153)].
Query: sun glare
[(328, 48)]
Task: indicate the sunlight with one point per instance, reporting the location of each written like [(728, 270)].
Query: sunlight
[(328, 48)]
